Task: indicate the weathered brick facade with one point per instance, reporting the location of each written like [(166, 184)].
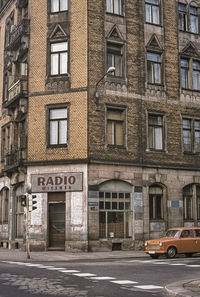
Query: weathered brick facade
[(131, 188)]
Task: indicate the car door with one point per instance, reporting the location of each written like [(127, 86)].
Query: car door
[(188, 241), (197, 240)]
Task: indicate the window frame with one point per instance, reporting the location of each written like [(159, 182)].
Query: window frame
[(123, 111), (191, 71), (151, 68), (192, 130), (112, 6), (59, 5), (116, 51), (59, 53), (191, 198), (162, 126), (152, 12), (154, 213), (185, 17), (48, 128)]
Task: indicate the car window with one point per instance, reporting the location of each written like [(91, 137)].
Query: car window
[(197, 233), (187, 234), (172, 233)]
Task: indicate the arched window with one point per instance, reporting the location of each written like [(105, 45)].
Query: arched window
[(115, 210), (191, 202), (156, 202)]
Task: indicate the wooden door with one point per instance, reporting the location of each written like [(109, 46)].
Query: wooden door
[(57, 222)]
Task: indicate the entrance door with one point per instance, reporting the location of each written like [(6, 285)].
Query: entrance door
[(57, 221)]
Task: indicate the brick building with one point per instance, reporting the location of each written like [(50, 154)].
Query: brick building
[(113, 159)]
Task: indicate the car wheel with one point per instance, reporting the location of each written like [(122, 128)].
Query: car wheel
[(188, 255), (154, 256), (171, 252)]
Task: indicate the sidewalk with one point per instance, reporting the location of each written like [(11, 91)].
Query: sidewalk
[(185, 288)]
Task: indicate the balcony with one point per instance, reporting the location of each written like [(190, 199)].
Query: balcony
[(14, 159), (17, 90), (17, 32)]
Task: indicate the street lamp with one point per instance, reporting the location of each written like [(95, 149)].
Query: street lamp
[(110, 70)]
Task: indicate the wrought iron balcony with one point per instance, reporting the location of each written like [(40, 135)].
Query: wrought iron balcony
[(14, 159), (17, 32)]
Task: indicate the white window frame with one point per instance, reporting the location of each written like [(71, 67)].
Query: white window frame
[(59, 6)]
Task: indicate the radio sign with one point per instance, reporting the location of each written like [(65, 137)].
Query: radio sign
[(61, 182)]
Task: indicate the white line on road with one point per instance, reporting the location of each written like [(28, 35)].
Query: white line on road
[(84, 274), (124, 282), (148, 287), (102, 278)]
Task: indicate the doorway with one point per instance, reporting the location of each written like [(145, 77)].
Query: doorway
[(56, 221)]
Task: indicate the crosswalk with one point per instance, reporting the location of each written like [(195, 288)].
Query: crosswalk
[(161, 262), (93, 277)]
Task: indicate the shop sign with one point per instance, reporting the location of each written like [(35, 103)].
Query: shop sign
[(57, 182)]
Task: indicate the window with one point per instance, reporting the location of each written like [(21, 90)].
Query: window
[(59, 5), (19, 231), (59, 58), (57, 126), (182, 17), (191, 135), (154, 68), (196, 75), (152, 11), (188, 18), (184, 73), (194, 22), (115, 58), (4, 208), (115, 126), (5, 145), (114, 6), (190, 74), (115, 214), (191, 202), (155, 202), (155, 133)]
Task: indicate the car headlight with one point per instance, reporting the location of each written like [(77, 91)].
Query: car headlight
[(160, 244), (146, 243)]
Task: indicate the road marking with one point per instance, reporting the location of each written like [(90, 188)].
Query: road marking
[(193, 265), (55, 268), (178, 264), (124, 282), (148, 287), (69, 271), (84, 274), (102, 278)]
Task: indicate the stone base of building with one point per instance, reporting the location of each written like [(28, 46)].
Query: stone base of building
[(76, 246), (111, 245)]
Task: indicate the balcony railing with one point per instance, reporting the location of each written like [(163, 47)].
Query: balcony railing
[(18, 32), (19, 88), (14, 159)]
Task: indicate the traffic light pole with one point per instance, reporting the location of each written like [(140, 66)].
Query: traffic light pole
[(27, 228)]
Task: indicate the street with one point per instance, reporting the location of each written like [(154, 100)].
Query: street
[(92, 278)]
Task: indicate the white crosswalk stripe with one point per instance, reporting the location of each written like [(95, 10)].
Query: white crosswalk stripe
[(124, 282), (148, 287)]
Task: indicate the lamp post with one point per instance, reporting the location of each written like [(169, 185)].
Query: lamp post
[(110, 70)]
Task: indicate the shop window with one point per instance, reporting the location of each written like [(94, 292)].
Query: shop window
[(59, 5), (155, 132), (57, 125), (152, 8), (115, 214), (155, 202), (114, 6), (154, 68), (115, 126), (191, 135), (191, 202), (59, 58)]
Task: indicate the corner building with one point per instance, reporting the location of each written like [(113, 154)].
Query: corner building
[(113, 159)]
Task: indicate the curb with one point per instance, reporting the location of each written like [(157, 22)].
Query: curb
[(177, 290)]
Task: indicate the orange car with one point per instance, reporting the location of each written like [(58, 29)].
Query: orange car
[(184, 240)]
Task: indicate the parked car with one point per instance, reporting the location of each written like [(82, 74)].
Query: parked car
[(183, 240)]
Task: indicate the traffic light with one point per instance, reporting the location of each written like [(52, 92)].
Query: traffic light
[(31, 202), (23, 200)]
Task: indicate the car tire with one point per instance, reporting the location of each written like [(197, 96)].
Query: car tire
[(171, 252), (154, 256), (188, 255)]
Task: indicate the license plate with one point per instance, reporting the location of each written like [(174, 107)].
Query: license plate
[(151, 252)]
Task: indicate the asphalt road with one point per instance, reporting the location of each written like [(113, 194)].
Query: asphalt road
[(114, 278)]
